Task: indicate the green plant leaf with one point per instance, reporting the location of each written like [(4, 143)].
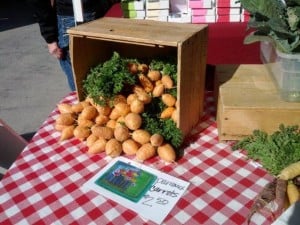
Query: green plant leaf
[(268, 8), (292, 2), (276, 19), (274, 151), (285, 45), (259, 25), (278, 25), (250, 6), (252, 38), (108, 79), (293, 17)]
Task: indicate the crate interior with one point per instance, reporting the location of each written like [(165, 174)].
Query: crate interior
[(95, 51)]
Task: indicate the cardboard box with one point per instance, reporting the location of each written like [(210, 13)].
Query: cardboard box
[(157, 13), (203, 19), (133, 5), (228, 10), (134, 14), (157, 18), (251, 101), (245, 16), (228, 18), (93, 43), (200, 4), (157, 4), (227, 3), (180, 18), (204, 12)]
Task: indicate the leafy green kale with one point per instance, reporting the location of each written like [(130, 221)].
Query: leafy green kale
[(165, 127), (108, 79), (275, 151), (275, 21)]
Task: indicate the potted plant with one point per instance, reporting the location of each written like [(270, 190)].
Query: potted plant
[(277, 22)]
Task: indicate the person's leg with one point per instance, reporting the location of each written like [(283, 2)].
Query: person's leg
[(64, 23), (66, 66)]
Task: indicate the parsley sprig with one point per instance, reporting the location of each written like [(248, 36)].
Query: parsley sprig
[(274, 151), (165, 127), (108, 79)]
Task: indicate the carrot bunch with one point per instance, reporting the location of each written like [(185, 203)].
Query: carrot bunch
[(292, 175), (116, 127), (284, 190)]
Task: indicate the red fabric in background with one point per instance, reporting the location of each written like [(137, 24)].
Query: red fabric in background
[(225, 45), (115, 11), (225, 42)]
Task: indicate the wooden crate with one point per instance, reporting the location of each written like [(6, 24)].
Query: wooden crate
[(250, 100), (93, 43), (223, 73)]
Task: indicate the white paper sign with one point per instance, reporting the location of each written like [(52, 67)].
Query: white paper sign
[(156, 201)]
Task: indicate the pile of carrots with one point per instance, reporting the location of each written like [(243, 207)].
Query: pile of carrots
[(115, 128), (291, 175), (284, 190)]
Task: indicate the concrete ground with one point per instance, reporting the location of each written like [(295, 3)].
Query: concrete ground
[(31, 81)]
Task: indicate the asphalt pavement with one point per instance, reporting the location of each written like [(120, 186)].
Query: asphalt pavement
[(31, 81)]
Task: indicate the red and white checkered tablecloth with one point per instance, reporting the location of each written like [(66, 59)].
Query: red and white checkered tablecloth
[(45, 184)]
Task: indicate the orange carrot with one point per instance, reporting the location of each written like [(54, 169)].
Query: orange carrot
[(166, 152), (280, 195), (290, 171), (146, 151), (292, 192), (64, 108), (130, 147), (67, 133), (98, 146), (65, 119), (113, 148)]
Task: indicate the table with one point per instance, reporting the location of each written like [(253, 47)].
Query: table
[(45, 184)]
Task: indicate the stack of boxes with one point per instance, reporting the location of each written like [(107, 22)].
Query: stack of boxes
[(186, 11), (245, 16), (179, 11), (157, 9), (203, 11), (133, 9), (146, 9), (228, 11)]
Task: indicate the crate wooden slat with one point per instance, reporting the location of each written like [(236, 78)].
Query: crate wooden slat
[(94, 42), (250, 100), (138, 31)]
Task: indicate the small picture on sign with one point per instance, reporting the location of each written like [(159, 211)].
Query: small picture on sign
[(126, 180)]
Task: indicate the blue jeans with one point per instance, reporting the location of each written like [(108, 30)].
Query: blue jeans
[(63, 24)]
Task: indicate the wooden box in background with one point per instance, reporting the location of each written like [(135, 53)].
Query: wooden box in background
[(93, 43), (222, 74), (250, 100)]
